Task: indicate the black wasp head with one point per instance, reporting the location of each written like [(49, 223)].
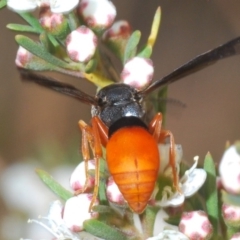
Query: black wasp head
[(116, 101)]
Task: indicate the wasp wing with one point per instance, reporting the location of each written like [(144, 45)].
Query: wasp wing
[(55, 85), (228, 49)]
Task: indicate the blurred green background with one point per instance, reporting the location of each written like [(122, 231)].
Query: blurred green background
[(42, 125)]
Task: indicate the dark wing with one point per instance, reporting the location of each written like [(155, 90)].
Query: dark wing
[(228, 49), (60, 87)]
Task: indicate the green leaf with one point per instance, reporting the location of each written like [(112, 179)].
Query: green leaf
[(131, 46), (102, 230), (21, 28), (211, 194), (145, 52), (31, 20), (40, 51), (91, 66), (53, 185), (3, 3)]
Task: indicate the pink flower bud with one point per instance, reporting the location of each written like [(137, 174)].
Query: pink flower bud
[(138, 72), (236, 236), (78, 177), (81, 44), (98, 14), (76, 211), (113, 193), (195, 225), (54, 23), (120, 29), (229, 170), (231, 215), (23, 57)]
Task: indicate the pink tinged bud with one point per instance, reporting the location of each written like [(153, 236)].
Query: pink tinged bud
[(76, 211), (22, 6), (195, 225), (113, 193), (236, 236), (138, 72), (120, 29), (229, 170), (97, 13), (55, 23), (23, 57), (231, 215), (78, 178), (81, 44)]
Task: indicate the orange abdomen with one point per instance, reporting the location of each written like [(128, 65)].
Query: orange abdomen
[(133, 161)]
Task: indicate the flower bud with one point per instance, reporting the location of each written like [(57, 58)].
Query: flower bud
[(23, 58), (97, 14), (231, 215), (138, 72), (54, 23), (195, 225), (113, 193), (81, 44), (236, 236), (116, 37), (76, 211), (229, 169), (78, 177)]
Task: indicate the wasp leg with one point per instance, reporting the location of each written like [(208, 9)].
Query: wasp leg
[(93, 137), (160, 136)]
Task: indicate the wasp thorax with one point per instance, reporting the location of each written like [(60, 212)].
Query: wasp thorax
[(117, 101)]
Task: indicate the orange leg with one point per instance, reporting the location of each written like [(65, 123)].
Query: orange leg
[(94, 136), (160, 136)]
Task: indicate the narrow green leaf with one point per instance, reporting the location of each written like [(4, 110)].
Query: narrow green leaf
[(211, 194), (31, 20), (3, 3), (91, 66), (39, 51), (21, 28), (131, 46), (53, 185), (145, 52), (100, 229), (155, 28)]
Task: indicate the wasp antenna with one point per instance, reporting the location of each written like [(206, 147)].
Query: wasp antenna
[(57, 86), (228, 49)]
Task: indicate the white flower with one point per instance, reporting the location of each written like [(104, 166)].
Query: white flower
[(81, 44), (236, 236), (138, 72), (229, 170), (189, 184), (169, 235), (57, 6), (78, 177), (76, 211), (97, 13), (196, 225)]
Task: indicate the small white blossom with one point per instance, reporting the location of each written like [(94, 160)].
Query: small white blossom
[(236, 236), (189, 184), (76, 211), (81, 44), (78, 177), (138, 72), (169, 235), (57, 6), (229, 170), (196, 225), (97, 13)]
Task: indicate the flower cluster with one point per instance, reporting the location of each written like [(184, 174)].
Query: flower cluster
[(71, 34)]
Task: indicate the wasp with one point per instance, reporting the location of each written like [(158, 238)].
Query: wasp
[(117, 124)]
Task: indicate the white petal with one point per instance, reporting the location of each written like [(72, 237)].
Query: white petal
[(63, 6), (23, 5), (169, 235), (175, 199)]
